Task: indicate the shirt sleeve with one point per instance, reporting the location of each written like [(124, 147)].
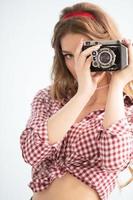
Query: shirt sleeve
[(116, 145), (34, 139)]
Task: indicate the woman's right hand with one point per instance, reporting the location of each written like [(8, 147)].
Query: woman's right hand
[(87, 83)]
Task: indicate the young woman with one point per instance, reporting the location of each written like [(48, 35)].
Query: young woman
[(80, 132)]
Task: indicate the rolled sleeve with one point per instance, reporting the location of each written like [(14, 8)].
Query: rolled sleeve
[(115, 145), (34, 139)]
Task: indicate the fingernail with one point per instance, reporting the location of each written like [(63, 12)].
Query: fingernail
[(128, 41)]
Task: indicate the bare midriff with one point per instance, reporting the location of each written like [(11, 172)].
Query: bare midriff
[(67, 187)]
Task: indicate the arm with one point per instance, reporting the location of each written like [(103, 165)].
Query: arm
[(116, 141), (61, 121), (115, 145), (35, 138), (43, 134), (114, 109), (115, 106)]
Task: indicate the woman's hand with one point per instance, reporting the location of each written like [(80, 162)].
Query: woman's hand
[(122, 77), (87, 83)]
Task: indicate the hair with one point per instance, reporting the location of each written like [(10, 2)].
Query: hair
[(102, 26)]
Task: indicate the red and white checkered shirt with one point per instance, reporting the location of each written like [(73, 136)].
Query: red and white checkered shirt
[(88, 151)]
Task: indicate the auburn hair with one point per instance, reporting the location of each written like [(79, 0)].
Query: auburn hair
[(102, 26)]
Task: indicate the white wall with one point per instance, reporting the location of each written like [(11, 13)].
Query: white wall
[(25, 61)]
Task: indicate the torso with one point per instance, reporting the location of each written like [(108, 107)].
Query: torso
[(67, 187)]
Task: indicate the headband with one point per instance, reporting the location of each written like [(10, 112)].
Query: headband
[(78, 13)]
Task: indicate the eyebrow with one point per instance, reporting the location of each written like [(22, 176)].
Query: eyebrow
[(64, 51)]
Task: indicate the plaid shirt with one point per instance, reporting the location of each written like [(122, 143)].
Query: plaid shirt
[(88, 151)]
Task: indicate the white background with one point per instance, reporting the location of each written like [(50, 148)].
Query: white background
[(25, 61)]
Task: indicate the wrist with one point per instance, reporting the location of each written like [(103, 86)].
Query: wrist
[(83, 96), (116, 83)]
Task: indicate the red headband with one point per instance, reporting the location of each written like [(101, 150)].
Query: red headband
[(78, 13)]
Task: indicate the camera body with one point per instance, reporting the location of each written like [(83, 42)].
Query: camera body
[(111, 56)]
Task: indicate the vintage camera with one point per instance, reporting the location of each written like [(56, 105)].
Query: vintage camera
[(111, 56)]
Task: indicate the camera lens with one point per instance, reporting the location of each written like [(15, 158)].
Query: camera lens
[(105, 57)]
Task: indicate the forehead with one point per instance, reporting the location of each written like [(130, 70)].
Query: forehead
[(70, 41)]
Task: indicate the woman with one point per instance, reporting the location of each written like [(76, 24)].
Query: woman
[(79, 135)]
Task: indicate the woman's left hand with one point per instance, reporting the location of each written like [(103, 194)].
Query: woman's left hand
[(122, 77)]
